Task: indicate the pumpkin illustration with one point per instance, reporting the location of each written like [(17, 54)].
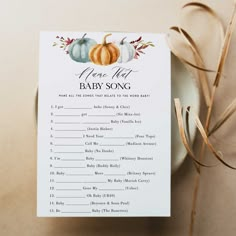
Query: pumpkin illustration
[(79, 49), (105, 53), (127, 51)]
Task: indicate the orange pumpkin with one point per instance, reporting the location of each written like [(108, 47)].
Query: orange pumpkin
[(105, 53)]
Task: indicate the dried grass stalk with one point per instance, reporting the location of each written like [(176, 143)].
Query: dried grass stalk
[(209, 95)]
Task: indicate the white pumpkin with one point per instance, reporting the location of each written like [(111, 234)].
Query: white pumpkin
[(127, 51)]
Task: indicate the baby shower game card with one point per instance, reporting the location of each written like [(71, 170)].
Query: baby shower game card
[(103, 125)]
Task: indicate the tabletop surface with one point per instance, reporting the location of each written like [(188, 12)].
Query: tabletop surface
[(21, 22)]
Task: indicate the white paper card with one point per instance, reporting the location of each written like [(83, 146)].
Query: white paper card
[(103, 125)]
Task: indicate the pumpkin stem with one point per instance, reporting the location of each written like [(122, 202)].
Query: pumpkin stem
[(82, 39), (104, 42), (122, 40), (84, 36)]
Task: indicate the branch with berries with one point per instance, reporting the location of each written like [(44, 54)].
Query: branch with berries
[(63, 43), (140, 45)]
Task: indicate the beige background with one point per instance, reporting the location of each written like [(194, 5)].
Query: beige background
[(20, 23)]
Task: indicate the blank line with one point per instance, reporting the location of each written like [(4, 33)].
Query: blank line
[(69, 137), (102, 115), (111, 189), (96, 123), (66, 115), (76, 145), (58, 167), (69, 129), (77, 204), (107, 159), (76, 212), (78, 108), (79, 174), (72, 159), (112, 145), (68, 152), (68, 189), (118, 137), (66, 123), (79, 182), (115, 174), (70, 197)]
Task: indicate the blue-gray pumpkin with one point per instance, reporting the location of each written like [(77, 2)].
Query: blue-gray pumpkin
[(127, 51), (79, 49)]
